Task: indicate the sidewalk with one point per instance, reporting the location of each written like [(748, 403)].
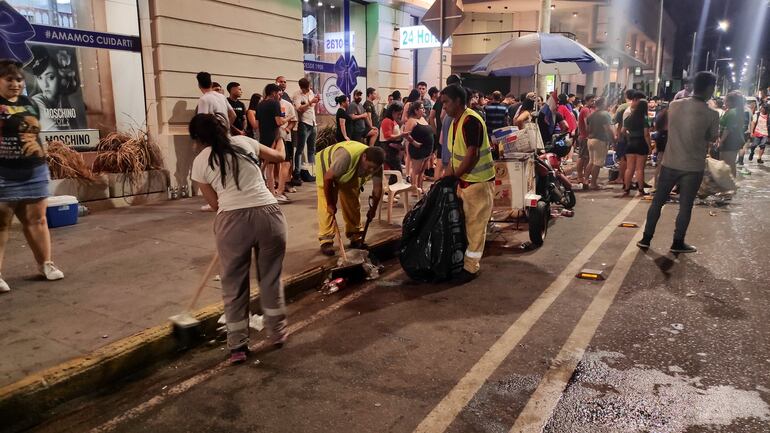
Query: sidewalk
[(126, 270)]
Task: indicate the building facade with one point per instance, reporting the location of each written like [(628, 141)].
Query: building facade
[(623, 32)]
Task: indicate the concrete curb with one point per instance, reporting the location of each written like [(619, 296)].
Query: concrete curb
[(26, 402)]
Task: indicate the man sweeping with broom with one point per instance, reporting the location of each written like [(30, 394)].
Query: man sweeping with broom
[(341, 172)]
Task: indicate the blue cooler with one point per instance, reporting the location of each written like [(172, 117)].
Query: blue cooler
[(62, 211)]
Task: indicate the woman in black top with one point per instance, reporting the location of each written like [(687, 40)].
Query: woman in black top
[(636, 129), (419, 136), (343, 119), (252, 125), (24, 174)]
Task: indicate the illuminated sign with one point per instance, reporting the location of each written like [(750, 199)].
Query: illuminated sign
[(414, 37), (334, 42)]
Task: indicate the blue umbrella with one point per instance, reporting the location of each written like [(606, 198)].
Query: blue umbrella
[(541, 54)]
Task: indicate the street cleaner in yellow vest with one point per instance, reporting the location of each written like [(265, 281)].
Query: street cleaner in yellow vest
[(468, 145), (341, 172)]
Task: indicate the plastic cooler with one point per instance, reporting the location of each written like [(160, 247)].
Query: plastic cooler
[(62, 211)]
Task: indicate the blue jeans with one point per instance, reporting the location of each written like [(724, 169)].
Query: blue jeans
[(306, 134), (689, 183)]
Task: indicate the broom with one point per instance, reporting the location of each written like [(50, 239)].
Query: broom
[(186, 327)]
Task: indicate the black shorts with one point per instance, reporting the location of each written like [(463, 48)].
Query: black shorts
[(637, 146)]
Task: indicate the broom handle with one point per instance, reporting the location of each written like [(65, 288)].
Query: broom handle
[(204, 280), (339, 241)]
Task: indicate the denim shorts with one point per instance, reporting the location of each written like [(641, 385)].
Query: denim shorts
[(24, 184)]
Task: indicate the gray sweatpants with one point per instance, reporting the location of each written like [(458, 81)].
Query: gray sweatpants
[(238, 232)]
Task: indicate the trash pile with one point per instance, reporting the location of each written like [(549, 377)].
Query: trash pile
[(717, 180), (433, 240)]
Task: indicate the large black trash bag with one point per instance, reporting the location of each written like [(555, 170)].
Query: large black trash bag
[(433, 241)]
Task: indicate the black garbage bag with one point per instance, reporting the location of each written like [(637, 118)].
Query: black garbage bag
[(433, 240)]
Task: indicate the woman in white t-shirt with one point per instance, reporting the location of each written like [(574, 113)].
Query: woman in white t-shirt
[(248, 219)]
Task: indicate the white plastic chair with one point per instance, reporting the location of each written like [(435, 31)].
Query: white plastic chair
[(400, 187)]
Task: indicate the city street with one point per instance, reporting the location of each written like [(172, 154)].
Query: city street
[(665, 344)]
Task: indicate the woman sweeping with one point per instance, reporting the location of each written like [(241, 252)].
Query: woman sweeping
[(248, 219), (24, 174)]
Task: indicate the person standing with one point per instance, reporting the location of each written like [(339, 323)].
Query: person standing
[(288, 134), (24, 174), (239, 124), (636, 130), (248, 220), (620, 145), (759, 133), (427, 102), (305, 101), (361, 130), (693, 126), (471, 161), (391, 137), (496, 113), (419, 137), (599, 137), (343, 120), (212, 101), (252, 125), (281, 82), (369, 106), (731, 126), (583, 156), (270, 117)]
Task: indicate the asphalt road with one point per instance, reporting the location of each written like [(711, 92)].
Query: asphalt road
[(664, 344)]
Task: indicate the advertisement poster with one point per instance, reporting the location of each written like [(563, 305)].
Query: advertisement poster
[(53, 84)]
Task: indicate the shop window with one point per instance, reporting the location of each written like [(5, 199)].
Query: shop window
[(323, 36), (84, 67)]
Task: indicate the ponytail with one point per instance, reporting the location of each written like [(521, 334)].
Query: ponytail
[(209, 130)]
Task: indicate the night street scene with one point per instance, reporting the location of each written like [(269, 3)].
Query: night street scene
[(384, 216)]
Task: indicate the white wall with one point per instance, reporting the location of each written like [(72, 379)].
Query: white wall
[(251, 42)]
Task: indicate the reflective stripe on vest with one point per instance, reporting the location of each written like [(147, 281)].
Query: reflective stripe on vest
[(484, 169), (354, 149)]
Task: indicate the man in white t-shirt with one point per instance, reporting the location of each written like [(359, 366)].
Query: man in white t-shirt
[(212, 102), (284, 169), (305, 102)]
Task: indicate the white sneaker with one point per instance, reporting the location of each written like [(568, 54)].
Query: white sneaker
[(206, 208), (282, 198), (4, 286), (51, 272)]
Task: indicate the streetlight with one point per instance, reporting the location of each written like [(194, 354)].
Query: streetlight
[(723, 25), (728, 49)]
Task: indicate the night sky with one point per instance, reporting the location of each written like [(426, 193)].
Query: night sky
[(743, 16)]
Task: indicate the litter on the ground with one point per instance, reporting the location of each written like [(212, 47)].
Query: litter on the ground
[(678, 326)]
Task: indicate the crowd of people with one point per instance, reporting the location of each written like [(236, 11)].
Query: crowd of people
[(249, 159)]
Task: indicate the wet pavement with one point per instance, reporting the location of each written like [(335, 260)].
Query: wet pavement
[(682, 344)]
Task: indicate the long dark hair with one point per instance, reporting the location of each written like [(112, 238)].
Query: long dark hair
[(254, 101), (639, 114), (414, 96), (208, 130)]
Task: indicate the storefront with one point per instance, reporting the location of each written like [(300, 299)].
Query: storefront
[(83, 65), (334, 43)]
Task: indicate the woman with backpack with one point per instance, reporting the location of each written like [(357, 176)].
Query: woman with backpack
[(248, 219), (759, 133)]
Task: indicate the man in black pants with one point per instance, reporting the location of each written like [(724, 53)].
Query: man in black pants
[(692, 127)]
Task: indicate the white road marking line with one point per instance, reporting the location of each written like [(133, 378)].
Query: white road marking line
[(439, 419), (543, 401), (187, 384)]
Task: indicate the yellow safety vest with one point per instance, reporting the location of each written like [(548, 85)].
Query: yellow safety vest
[(484, 169), (354, 148)]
